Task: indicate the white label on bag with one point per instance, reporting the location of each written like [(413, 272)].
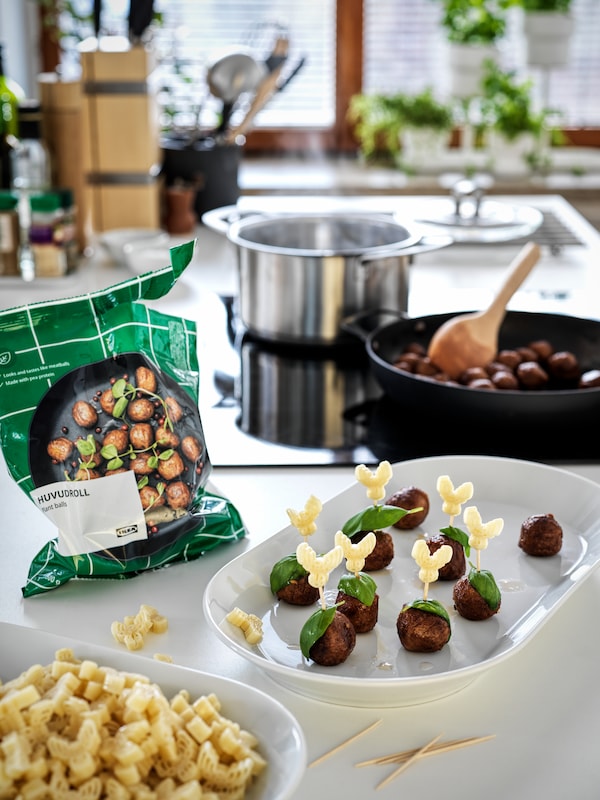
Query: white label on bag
[(93, 515)]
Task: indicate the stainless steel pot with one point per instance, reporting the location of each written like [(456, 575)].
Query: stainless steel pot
[(301, 275)]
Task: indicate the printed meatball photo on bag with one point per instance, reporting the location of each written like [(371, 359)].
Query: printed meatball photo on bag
[(100, 427)]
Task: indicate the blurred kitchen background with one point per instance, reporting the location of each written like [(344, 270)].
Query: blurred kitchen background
[(146, 103)]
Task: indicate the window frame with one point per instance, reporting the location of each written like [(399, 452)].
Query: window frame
[(337, 139)]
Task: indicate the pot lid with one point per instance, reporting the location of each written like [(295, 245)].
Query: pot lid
[(470, 217), (495, 221)]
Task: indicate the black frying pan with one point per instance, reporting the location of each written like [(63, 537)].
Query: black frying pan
[(552, 407)]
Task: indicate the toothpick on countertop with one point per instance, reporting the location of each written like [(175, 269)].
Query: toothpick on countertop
[(443, 747), (345, 743), (416, 755)]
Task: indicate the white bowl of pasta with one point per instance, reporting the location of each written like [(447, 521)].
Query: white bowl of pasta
[(267, 756)]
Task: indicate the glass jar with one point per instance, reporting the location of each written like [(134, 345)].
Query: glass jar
[(46, 234), (9, 234)]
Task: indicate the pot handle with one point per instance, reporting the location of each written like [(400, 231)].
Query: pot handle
[(219, 219), (364, 323), (425, 244)]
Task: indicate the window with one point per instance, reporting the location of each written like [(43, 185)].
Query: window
[(382, 45), (405, 50)]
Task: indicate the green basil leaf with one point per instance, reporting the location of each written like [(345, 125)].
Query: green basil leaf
[(375, 518), (484, 583), (166, 454), (121, 388), (87, 446), (284, 571), (431, 606), (143, 481), (120, 408), (361, 586), (114, 463), (314, 627), (153, 462), (458, 536), (109, 451)]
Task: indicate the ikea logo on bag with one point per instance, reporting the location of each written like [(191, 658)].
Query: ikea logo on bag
[(126, 530)]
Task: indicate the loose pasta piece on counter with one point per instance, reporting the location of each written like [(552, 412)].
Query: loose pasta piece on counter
[(132, 630)]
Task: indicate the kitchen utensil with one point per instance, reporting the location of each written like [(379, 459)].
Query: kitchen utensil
[(278, 54), (379, 671), (300, 275), (553, 408), (471, 340), (230, 76), (141, 13), (266, 88)]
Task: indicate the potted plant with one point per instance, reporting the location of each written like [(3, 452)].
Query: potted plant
[(377, 121), (413, 128), (516, 133), (425, 133), (548, 27), (473, 29)]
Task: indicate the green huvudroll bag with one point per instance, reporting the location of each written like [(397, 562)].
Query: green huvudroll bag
[(99, 425)]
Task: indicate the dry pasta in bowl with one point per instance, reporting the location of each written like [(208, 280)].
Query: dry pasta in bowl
[(74, 727)]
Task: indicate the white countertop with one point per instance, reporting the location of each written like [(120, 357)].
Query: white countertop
[(543, 703)]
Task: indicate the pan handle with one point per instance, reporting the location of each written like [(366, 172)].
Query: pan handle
[(426, 243), (364, 323)]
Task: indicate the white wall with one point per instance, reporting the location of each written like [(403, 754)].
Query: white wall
[(19, 33)]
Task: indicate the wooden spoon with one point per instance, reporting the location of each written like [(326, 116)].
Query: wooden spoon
[(471, 340)]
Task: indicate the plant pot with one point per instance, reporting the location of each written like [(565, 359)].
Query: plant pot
[(466, 67), (510, 156), (548, 37), (422, 147)]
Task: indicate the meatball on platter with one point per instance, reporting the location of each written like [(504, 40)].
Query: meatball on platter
[(80, 432), (380, 671)]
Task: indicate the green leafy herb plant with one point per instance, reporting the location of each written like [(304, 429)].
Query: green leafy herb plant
[(475, 21), (379, 120), (562, 6)]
